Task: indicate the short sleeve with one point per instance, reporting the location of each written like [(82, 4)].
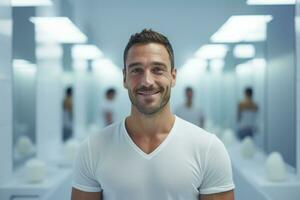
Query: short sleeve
[(217, 175), (84, 176)]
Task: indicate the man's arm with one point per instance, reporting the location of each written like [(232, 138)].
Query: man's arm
[(80, 195), (229, 195)]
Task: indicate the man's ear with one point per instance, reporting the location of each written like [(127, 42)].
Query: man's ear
[(124, 78), (174, 74)]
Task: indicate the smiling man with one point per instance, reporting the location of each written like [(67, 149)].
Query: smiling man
[(152, 154)]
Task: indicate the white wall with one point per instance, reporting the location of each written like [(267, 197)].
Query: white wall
[(281, 87), (229, 100), (5, 90), (298, 85)]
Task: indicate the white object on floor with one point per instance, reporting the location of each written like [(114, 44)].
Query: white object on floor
[(228, 137), (35, 170), (247, 148), (24, 146), (275, 167)]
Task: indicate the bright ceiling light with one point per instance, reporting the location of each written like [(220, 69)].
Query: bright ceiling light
[(49, 51), (243, 68), (244, 51), (103, 63), (212, 51), (192, 70), (20, 62), (24, 66), (196, 63), (259, 62), (107, 71), (25, 3), (251, 66), (86, 52), (243, 28), (271, 2), (57, 29)]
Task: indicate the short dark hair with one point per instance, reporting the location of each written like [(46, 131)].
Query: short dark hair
[(189, 89), (249, 91), (69, 91), (110, 91), (149, 36)]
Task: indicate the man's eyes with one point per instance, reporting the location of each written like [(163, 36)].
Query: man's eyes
[(136, 70), (158, 70)]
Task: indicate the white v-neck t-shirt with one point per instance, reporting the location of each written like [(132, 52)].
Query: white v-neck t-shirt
[(189, 162)]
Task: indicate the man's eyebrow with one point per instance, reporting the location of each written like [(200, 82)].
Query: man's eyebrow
[(156, 63), (134, 64), (159, 64)]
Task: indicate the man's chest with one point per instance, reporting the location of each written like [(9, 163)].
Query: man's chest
[(129, 172)]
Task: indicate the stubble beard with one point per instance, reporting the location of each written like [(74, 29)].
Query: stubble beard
[(164, 99)]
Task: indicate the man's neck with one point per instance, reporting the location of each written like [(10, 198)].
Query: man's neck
[(248, 99), (149, 126)]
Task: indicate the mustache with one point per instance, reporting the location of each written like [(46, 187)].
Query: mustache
[(147, 89)]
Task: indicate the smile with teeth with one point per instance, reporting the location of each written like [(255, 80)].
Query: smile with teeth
[(147, 93)]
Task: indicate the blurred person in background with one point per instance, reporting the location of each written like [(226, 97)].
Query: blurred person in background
[(188, 111), (107, 109), (246, 116), (68, 114)]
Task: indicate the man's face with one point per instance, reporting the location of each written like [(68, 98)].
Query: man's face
[(148, 77), (111, 96)]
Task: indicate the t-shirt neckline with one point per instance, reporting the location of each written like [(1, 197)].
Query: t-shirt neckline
[(157, 149)]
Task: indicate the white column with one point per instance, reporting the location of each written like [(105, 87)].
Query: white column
[(80, 98), (49, 101), (6, 121), (298, 87)]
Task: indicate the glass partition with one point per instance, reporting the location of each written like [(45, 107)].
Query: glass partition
[(24, 87)]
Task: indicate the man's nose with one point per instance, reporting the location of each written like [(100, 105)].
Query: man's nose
[(148, 78)]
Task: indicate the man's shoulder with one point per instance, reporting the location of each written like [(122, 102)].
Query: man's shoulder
[(97, 144)]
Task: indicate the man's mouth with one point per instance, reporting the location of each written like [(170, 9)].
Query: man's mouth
[(147, 92)]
